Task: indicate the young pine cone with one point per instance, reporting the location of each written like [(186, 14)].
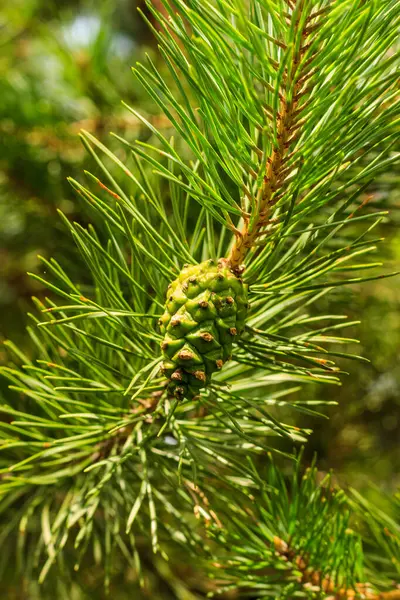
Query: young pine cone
[(204, 314)]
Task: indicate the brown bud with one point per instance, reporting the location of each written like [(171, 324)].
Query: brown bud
[(207, 337), (177, 375), (229, 300), (280, 545), (219, 363), (186, 355), (175, 321), (233, 331), (203, 304), (164, 345), (200, 375)]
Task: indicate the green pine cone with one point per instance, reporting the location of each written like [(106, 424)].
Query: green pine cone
[(205, 312)]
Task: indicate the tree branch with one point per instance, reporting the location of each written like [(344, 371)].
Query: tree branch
[(311, 577), (276, 173)]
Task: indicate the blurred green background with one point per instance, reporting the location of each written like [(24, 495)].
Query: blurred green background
[(65, 65)]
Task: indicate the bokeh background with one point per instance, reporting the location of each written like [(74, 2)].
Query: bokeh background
[(65, 65)]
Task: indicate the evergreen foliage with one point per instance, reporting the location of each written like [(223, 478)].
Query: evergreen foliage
[(294, 540), (283, 114)]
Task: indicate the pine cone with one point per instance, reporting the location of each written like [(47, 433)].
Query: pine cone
[(204, 314)]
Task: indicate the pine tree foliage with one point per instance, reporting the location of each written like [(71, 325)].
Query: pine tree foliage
[(293, 539), (301, 536), (282, 113), (381, 538)]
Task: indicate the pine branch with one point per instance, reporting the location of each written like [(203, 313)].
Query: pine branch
[(287, 123), (315, 581), (284, 114), (293, 537), (381, 535)]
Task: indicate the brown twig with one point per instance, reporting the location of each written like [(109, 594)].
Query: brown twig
[(276, 172), (311, 577)]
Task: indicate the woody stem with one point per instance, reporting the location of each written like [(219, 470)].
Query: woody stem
[(309, 575), (276, 173)]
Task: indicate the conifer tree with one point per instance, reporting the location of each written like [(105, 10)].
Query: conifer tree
[(167, 382)]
